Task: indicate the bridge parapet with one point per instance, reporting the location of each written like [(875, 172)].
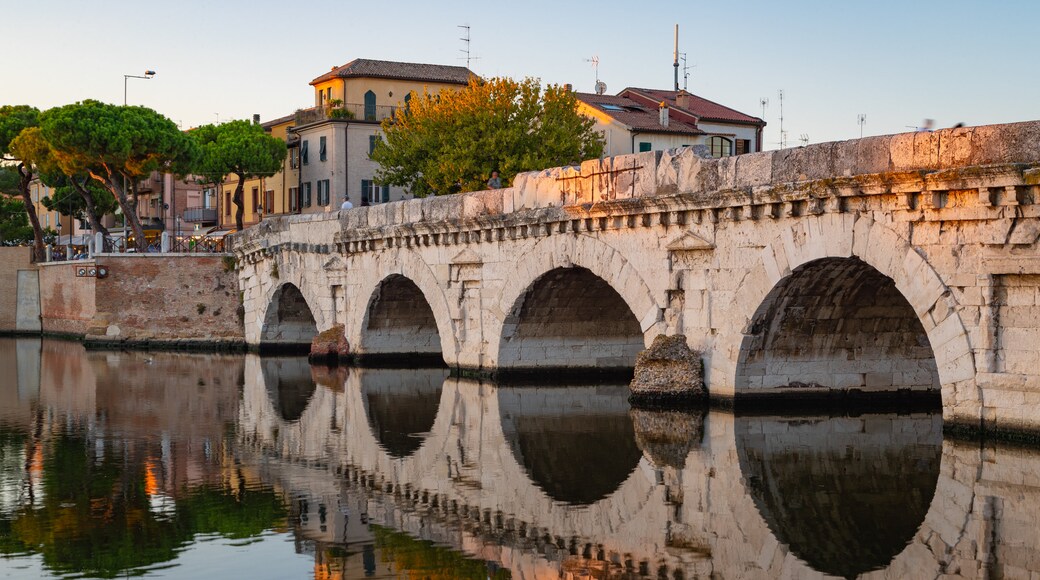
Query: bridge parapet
[(998, 161)]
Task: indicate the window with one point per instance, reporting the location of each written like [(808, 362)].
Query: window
[(322, 155), (306, 201), (408, 103), (720, 146), (644, 146), (323, 192), (269, 201), (294, 199), (256, 199), (207, 198), (372, 141), (743, 146), (294, 157), (370, 106), (372, 192), (227, 203), (303, 152)]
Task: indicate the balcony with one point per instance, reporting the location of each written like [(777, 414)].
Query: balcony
[(200, 215), (349, 111)]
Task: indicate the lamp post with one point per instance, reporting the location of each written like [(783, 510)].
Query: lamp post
[(148, 74)]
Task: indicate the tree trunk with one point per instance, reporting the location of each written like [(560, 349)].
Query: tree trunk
[(24, 179), (237, 198), (92, 215), (115, 184)]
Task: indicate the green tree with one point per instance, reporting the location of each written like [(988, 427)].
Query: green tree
[(13, 120), (238, 148), (117, 146), (452, 141), (78, 196), (14, 222)]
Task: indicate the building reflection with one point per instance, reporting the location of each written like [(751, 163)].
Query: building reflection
[(115, 463)]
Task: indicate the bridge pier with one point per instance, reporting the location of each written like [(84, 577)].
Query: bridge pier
[(892, 264)]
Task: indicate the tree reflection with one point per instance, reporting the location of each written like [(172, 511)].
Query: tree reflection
[(95, 513)]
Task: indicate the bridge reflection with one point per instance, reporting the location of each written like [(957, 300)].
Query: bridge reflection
[(530, 477)]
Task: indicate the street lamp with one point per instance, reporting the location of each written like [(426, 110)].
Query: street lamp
[(148, 74)]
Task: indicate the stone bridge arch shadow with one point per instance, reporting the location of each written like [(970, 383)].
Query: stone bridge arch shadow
[(400, 328), (289, 322), (573, 305), (843, 302)]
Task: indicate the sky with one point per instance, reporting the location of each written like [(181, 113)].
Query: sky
[(896, 62)]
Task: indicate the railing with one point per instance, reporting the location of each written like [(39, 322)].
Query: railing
[(349, 111), (200, 214)]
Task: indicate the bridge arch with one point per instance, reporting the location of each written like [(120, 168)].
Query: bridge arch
[(290, 317), (579, 271), (829, 240), (401, 310)]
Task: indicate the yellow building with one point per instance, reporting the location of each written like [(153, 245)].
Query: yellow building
[(50, 219), (263, 196)]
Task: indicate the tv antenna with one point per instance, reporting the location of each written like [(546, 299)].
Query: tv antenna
[(685, 71), (804, 138), (765, 103), (783, 134), (595, 65), (466, 39), (862, 120)]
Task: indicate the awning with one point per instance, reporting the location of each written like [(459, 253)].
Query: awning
[(219, 233)]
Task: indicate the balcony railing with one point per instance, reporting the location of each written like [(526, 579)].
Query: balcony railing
[(200, 214), (349, 111)]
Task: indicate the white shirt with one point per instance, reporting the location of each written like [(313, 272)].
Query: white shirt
[(346, 204)]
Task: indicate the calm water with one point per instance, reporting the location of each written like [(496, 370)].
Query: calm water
[(190, 466)]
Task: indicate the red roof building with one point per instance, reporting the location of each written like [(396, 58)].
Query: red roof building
[(651, 119)]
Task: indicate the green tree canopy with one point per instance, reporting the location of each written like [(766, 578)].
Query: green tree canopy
[(117, 146), (452, 141), (238, 148), (14, 119)]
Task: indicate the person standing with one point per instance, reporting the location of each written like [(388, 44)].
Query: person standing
[(495, 182), (346, 203)]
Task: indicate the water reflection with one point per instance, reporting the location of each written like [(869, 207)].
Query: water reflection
[(402, 406), (289, 385), (199, 466), (575, 443), (847, 494)]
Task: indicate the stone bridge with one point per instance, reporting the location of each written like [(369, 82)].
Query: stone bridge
[(538, 478), (897, 263)]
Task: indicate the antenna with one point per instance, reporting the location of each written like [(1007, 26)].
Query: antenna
[(765, 103), (595, 64), (783, 134), (862, 120), (685, 72), (466, 40), (804, 138)]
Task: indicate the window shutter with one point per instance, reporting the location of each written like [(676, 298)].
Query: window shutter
[(366, 187), (386, 193), (303, 152)]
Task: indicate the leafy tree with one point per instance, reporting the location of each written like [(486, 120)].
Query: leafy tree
[(452, 141), (117, 146), (238, 148), (13, 120), (78, 196)]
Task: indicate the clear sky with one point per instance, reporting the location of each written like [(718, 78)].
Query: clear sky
[(897, 62)]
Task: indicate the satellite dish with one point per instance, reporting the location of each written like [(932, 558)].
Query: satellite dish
[(601, 87)]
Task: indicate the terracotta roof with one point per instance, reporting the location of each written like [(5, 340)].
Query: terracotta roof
[(636, 115), (704, 109), (385, 69), (278, 121)]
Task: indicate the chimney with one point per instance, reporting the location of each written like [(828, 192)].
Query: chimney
[(682, 100), (568, 87), (256, 118), (664, 114)]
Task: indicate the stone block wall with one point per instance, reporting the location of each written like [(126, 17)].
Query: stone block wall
[(11, 260), (67, 301), (166, 298)]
